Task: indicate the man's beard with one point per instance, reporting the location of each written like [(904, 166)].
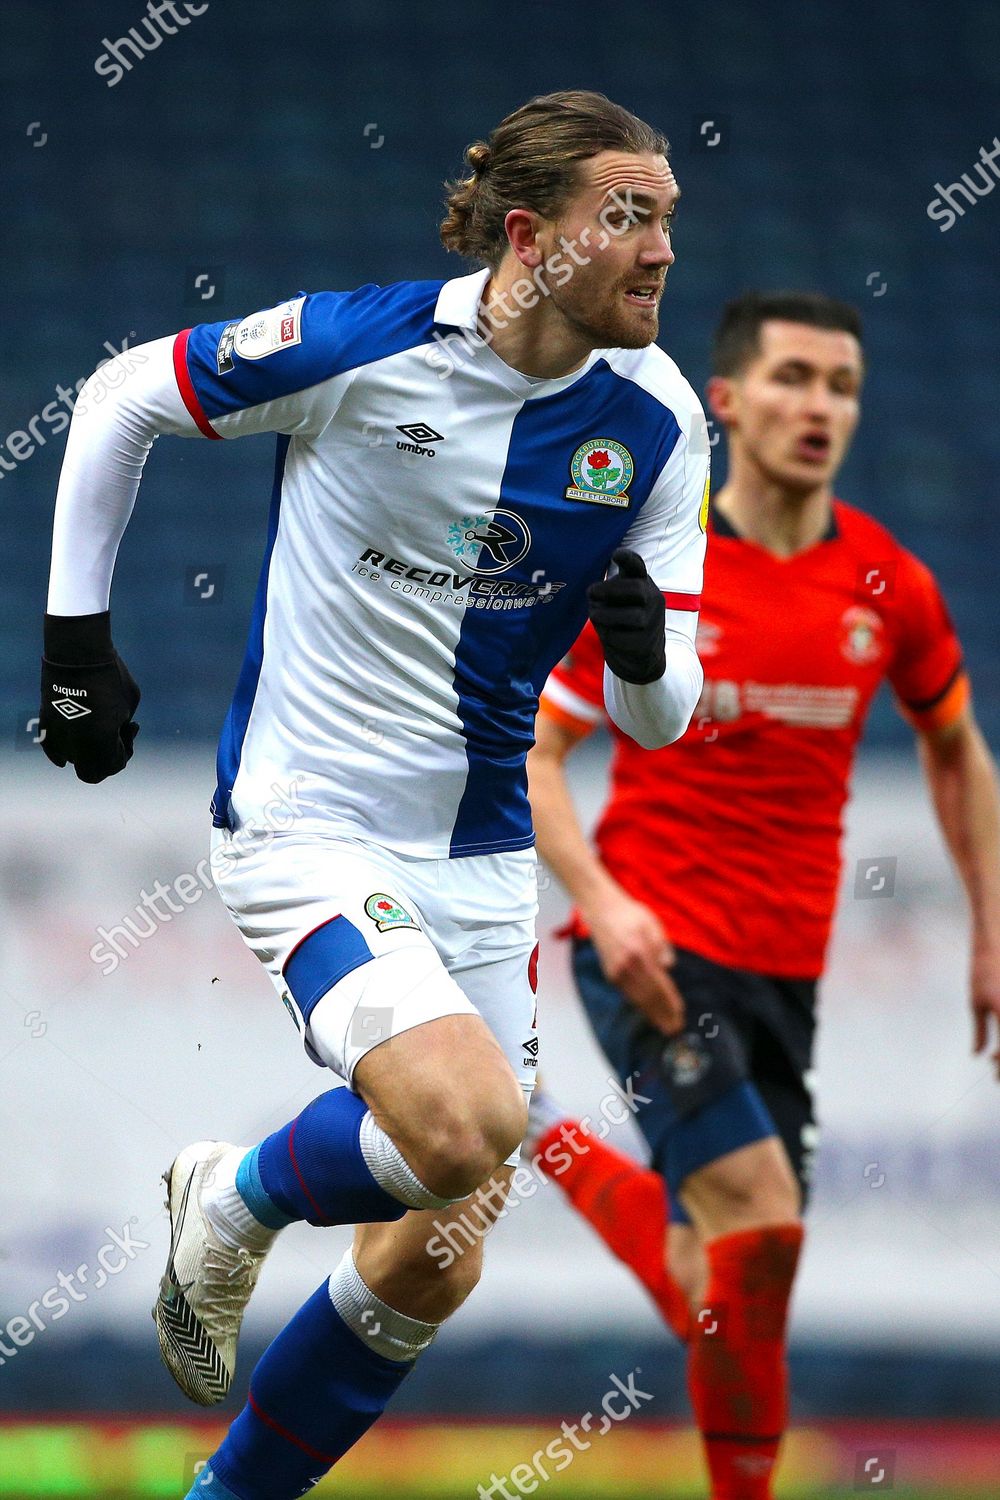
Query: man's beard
[(612, 330)]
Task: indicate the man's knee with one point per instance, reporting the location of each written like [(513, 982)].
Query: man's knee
[(469, 1137), (752, 1187), (447, 1097)]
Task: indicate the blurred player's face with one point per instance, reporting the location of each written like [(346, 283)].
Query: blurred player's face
[(792, 412), (615, 233)]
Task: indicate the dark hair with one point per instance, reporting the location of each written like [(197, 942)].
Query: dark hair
[(737, 337), (530, 161)]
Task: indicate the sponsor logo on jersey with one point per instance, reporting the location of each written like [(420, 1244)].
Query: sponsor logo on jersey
[(601, 471), (491, 542), (224, 357), (420, 435), (861, 635), (464, 590), (268, 332), (802, 704), (531, 1048), (386, 912)]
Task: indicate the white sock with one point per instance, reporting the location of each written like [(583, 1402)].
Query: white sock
[(392, 1334), (391, 1170), (225, 1209)]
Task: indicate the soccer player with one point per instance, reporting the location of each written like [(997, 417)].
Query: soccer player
[(461, 464), (702, 919)]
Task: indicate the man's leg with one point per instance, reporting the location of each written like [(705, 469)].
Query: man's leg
[(723, 1148), (329, 1375), (624, 1202), (745, 1209)]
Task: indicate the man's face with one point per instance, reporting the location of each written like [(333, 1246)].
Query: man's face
[(794, 408), (619, 224)]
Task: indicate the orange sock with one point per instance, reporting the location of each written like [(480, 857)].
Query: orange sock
[(625, 1203), (737, 1373)]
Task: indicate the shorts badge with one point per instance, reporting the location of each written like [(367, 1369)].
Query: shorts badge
[(686, 1059), (387, 913)]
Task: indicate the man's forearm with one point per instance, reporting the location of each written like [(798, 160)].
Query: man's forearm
[(560, 839), (121, 410), (655, 714), (963, 785)]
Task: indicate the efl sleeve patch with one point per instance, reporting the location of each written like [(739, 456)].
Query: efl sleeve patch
[(267, 332)]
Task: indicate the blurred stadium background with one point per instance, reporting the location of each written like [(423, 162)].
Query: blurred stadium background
[(262, 150)]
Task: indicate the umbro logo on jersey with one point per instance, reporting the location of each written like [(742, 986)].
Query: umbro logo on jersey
[(531, 1047), (420, 435)]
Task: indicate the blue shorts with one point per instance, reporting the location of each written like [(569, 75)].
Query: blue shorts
[(738, 1073)]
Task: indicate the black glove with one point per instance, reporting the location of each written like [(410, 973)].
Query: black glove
[(88, 697), (627, 612)]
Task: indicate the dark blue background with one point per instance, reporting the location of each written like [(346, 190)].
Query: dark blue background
[(239, 149)]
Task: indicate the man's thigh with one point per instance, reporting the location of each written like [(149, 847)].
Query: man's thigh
[(703, 1099), (363, 945)]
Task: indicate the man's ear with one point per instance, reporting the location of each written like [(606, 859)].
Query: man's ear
[(522, 230), (721, 396)]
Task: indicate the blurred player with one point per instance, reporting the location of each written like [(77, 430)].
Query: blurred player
[(702, 920), (459, 461)]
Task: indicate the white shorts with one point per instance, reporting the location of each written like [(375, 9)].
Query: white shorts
[(391, 940)]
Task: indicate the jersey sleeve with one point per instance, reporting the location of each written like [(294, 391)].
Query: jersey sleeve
[(574, 693), (669, 533), (669, 536), (286, 369), (927, 672)]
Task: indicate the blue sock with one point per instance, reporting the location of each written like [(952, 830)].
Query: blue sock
[(314, 1169), (316, 1390), (207, 1487)]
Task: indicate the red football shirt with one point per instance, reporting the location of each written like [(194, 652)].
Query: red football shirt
[(732, 834)]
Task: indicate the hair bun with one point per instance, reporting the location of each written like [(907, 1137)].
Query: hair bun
[(478, 156)]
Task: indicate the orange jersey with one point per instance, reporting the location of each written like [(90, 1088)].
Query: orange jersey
[(732, 834)]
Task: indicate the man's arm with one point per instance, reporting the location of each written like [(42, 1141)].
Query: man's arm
[(963, 784), (667, 539), (631, 944), (281, 370)]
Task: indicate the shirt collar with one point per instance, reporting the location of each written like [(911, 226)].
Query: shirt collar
[(458, 300), (458, 307), (722, 526)]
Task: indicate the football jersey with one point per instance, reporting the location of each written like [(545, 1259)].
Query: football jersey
[(732, 834), (435, 521)]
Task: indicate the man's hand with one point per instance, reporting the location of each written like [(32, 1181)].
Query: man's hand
[(88, 697), (985, 983), (627, 612), (635, 955)]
